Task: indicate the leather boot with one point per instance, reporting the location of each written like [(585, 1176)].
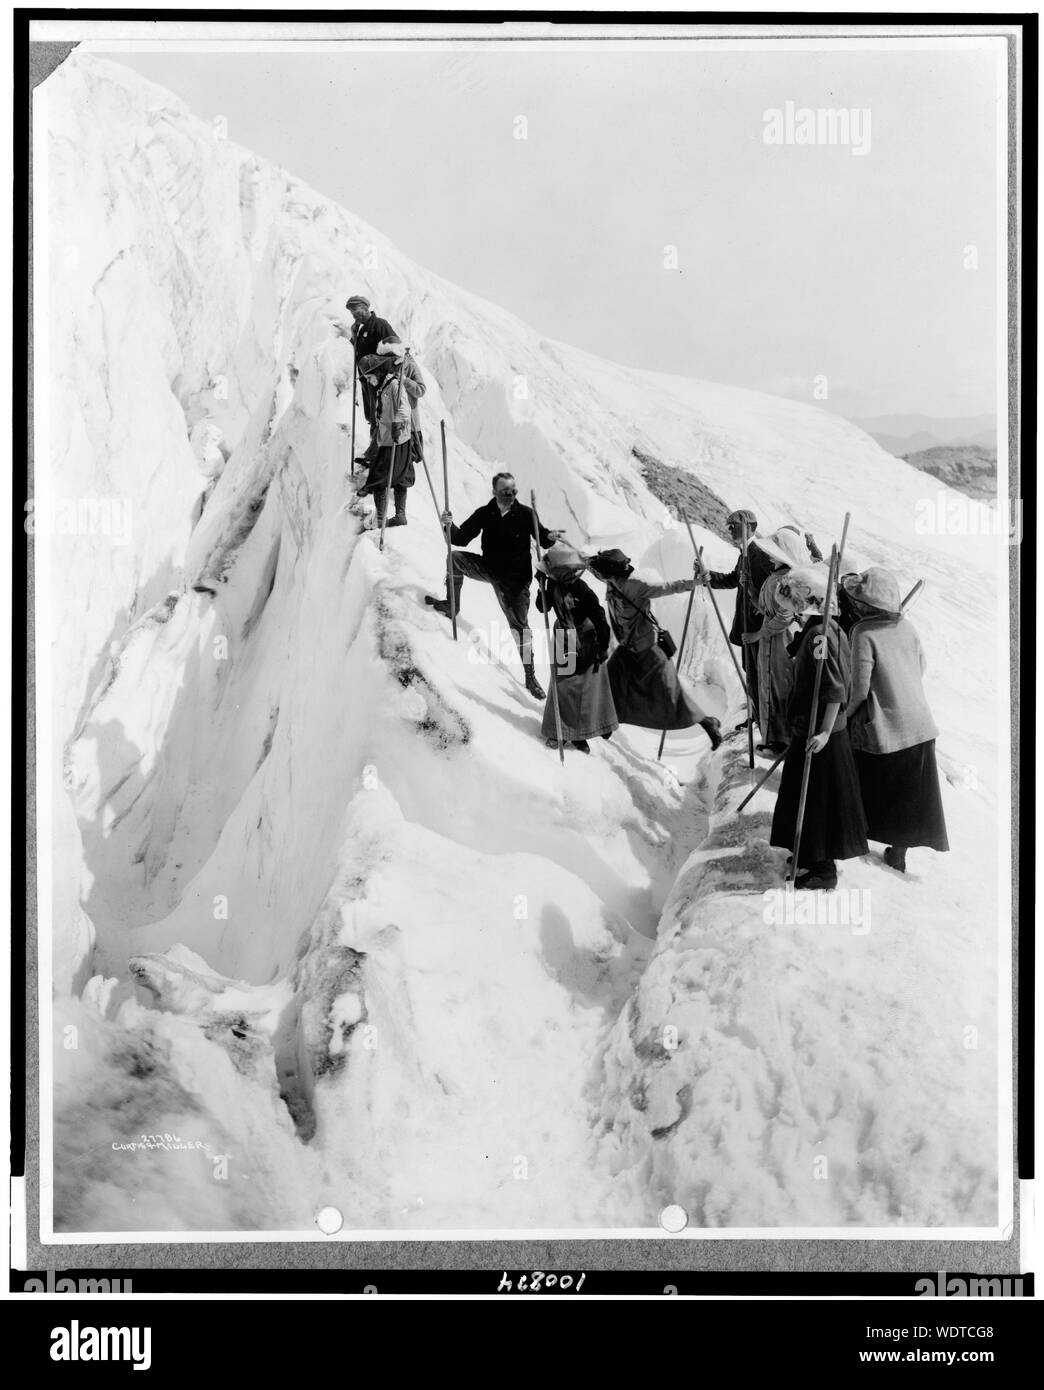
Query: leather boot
[(712, 728)]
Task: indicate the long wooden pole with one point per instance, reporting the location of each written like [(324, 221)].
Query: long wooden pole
[(355, 387), (714, 601), (835, 567), (745, 572), (754, 790), (678, 653), (547, 625), (394, 454), (451, 588)]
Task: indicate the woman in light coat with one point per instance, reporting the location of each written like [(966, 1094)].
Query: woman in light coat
[(892, 729)]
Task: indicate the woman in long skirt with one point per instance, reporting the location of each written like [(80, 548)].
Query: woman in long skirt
[(397, 428), (581, 647), (786, 549), (647, 691), (892, 729), (833, 826)]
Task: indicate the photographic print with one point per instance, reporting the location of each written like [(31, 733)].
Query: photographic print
[(523, 522)]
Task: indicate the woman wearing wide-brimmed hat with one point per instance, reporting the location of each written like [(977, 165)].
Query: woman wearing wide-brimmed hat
[(398, 385), (645, 685), (783, 549), (892, 729), (833, 827), (581, 649)]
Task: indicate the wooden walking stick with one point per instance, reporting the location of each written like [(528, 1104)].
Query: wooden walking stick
[(395, 452), (745, 584), (355, 385), (755, 789), (816, 683), (547, 625), (714, 601), (451, 589), (912, 595), (678, 653)]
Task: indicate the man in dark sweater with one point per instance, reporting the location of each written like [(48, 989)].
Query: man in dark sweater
[(747, 617), (506, 528), (368, 332)]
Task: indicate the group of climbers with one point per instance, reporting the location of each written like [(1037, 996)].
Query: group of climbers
[(869, 745)]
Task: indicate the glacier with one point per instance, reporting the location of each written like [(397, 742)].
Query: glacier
[(319, 905)]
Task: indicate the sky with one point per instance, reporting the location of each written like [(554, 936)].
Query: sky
[(796, 268)]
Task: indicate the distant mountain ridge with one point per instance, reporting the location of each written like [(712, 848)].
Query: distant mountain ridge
[(902, 435), (969, 468)]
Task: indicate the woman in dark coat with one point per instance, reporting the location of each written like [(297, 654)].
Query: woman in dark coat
[(833, 827), (645, 685), (396, 432), (892, 729), (581, 647)]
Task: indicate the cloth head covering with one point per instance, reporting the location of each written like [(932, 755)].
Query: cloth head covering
[(804, 588), (390, 349), (372, 365), (561, 561), (610, 564), (875, 588), (784, 547), (743, 514), (357, 301)]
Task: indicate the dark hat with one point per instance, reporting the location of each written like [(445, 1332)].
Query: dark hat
[(610, 564), (744, 514), (372, 365), (358, 299)]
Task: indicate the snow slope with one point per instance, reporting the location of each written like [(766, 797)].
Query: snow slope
[(322, 903)]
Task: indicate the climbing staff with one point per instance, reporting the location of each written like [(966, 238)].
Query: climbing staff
[(506, 527), (580, 651), (647, 690)]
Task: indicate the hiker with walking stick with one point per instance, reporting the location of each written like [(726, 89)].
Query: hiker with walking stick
[(397, 384), (831, 824), (368, 332), (580, 650), (743, 525), (506, 563), (646, 688)]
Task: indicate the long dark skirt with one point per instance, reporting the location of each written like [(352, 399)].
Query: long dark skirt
[(901, 797), (585, 700), (403, 475), (834, 826), (647, 691)]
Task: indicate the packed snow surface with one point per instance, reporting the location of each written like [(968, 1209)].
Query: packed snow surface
[(328, 923)]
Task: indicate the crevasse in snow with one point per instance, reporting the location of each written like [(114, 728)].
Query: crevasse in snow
[(324, 907)]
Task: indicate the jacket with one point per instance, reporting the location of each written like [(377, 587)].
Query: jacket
[(836, 683), (506, 539), (628, 601), (398, 415), (888, 709), (366, 336)]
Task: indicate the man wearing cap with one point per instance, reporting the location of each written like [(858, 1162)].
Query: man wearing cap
[(506, 528), (368, 332), (748, 588)]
